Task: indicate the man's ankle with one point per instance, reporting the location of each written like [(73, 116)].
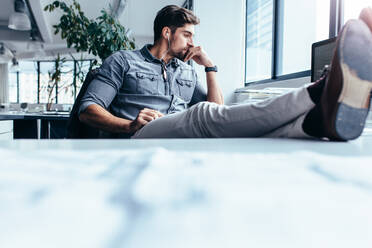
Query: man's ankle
[(312, 124), (316, 89)]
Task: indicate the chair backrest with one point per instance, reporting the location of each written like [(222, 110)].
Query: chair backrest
[(75, 128)]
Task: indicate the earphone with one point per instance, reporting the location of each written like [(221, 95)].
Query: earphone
[(167, 34), (168, 41)]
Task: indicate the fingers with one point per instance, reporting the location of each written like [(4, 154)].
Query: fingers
[(189, 56), (146, 115), (186, 54), (140, 122), (198, 55), (154, 113), (193, 51)]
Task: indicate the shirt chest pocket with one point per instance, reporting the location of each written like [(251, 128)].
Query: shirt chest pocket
[(185, 88), (149, 83)]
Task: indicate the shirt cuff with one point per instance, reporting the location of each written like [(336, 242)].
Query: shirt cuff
[(84, 105)]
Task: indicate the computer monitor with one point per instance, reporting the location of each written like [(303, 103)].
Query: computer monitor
[(321, 55)]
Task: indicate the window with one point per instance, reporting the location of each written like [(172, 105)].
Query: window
[(45, 68), (259, 39), (32, 83), (28, 82), (301, 23), (279, 35), (66, 85), (82, 69), (23, 84), (13, 87)]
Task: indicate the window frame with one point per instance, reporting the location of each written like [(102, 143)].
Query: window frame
[(335, 24)]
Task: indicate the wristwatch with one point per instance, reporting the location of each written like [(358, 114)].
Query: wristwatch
[(213, 68)]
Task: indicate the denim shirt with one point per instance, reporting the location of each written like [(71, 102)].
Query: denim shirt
[(129, 81)]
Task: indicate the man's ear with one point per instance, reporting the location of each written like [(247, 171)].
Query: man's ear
[(166, 32)]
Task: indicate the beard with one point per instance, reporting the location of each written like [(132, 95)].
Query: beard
[(180, 54)]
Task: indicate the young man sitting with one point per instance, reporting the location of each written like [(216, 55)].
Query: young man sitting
[(153, 93)]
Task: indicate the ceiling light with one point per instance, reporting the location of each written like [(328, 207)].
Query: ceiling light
[(19, 20)]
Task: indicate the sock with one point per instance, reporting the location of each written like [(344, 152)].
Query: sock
[(313, 123), (316, 89)]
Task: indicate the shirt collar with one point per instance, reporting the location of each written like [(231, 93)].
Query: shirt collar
[(145, 51)]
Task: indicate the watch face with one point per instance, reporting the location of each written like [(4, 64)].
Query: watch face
[(213, 68)]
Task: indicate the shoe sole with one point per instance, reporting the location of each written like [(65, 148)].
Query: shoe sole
[(355, 55)]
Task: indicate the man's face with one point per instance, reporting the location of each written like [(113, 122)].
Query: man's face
[(181, 40)]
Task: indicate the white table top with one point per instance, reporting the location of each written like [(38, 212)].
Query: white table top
[(186, 193)]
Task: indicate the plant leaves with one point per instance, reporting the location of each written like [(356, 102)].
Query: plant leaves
[(101, 37)]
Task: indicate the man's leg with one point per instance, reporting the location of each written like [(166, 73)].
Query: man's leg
[(341, 101), (209, 120), (291, 130), (317, 123), (344, 104)]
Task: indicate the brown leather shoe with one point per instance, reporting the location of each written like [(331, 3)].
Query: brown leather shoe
[(366, 16), (346, 98)]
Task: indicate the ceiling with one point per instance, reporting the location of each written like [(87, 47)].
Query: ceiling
[(138, 15)]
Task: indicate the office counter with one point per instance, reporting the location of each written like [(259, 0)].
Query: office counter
[(186, 193), (37, 125)]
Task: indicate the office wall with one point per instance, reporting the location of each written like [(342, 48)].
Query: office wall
[(221, 34)]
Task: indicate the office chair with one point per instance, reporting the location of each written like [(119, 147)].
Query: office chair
[(75, 128)]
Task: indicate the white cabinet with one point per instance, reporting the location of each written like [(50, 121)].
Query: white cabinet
[(6, 130)]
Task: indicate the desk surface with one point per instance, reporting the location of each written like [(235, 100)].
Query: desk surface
[(359, 147), (16, 115), (186, 193)]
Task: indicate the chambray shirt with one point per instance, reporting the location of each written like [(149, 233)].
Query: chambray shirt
[(129, 81)]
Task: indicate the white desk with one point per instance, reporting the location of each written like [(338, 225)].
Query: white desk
[(186, 193)]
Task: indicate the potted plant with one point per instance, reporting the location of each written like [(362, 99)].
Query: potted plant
[(101, 36)]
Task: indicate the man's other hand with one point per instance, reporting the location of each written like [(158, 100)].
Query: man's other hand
[(199, 56), (145, 116)]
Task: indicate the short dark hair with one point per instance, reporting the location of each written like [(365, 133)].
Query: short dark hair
[(173, 16)]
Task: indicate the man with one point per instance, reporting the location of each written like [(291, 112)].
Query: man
[(153, 93)]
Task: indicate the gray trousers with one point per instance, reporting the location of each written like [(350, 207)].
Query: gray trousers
[(281, 116)]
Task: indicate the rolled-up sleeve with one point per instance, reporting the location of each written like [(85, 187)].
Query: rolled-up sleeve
[(200, 94), (107, 82)]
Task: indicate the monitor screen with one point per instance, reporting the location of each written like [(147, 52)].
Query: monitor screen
[(321, 55)]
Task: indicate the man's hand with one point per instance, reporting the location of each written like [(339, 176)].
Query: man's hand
[(145, 116), (199, 56), (214, 93)]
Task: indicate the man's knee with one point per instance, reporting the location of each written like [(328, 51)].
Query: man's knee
[(204, 105), (205, 111)]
